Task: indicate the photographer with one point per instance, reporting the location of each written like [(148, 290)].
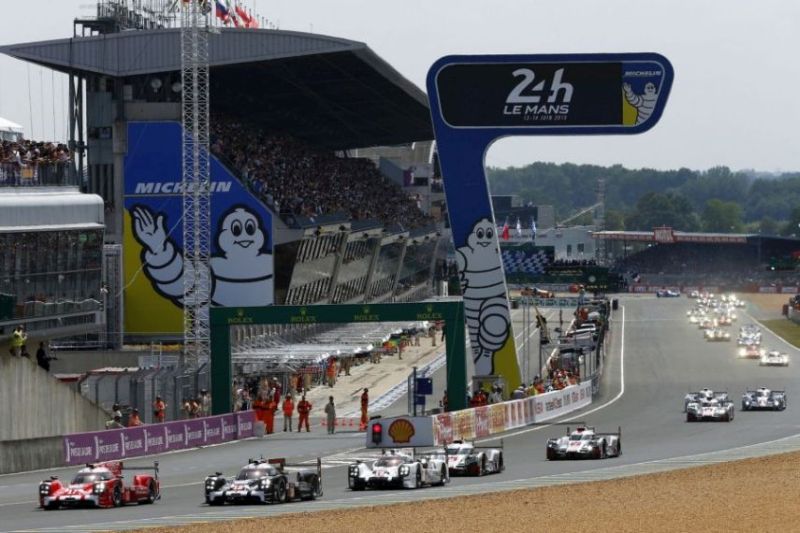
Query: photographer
[(42, 359)]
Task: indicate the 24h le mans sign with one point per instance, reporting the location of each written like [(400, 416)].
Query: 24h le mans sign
[(475, 100)]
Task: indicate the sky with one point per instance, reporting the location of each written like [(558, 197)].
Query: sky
[(733, 101)]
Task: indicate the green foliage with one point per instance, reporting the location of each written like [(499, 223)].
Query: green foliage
[(681, 196)]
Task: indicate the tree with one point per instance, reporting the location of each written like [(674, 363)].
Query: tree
[(722, 217), (615, 220), (768, 226), (663, 209)]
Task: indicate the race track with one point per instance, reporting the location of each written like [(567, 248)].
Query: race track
[(655, 357)]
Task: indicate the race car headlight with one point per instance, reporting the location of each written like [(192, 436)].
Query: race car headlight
[(353, 471), (404, 470), (99, 487), (265, 483), (44, 489)]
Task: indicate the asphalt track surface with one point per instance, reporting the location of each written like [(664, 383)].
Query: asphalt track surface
[(654, 358)]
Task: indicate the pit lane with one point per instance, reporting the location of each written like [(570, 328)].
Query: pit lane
[(664, 357)]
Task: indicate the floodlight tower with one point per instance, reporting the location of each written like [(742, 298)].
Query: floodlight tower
[(600, 220), (196, 181)]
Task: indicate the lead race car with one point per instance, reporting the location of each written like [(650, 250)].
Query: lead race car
[(100, 485), (467, 459), (764, 399), (399, 469), (774, 358), (266, 481), (704, 394), (585, 443)]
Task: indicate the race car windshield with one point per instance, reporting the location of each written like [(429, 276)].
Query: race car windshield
[(256, 473), (576, 436), (458, 451), (761, 394), (389, 461), (92, 477)]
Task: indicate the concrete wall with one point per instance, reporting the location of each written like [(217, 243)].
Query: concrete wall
[(31, 454), (37, 405)]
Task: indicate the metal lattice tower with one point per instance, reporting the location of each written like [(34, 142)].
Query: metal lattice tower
[(196, 182), (600, 221)]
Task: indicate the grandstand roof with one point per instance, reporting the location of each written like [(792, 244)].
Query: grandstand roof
[(332, 92)]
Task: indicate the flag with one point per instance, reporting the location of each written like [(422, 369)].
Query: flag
[(519, 228), (533, 228), (505, 234), (253, 21), (232, 17), (222, 12), (244, 16)]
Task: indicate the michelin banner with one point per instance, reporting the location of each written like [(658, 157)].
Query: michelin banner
[(241, 262)]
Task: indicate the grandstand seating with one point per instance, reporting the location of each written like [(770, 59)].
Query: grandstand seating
[(295, 179)]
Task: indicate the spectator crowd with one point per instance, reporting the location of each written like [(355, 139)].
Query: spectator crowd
[(27, 162), (296, 179)]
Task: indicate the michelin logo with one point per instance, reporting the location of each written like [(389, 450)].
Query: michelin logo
[(176, 187), (240, 275)]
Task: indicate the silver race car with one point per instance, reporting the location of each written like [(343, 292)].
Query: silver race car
[(712, 410), (763, 399), (585, 443), (399, 469), (774, 358), (262, 481), (704, 394), (465, 458)]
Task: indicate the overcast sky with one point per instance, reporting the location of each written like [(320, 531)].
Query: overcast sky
[(733, 101)]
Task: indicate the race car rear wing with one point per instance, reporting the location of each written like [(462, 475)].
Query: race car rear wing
[(281, 464), (618, 433), (154, 468)]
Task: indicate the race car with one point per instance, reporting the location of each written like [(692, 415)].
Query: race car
[(704, 394), (467, 459), (749, 334), (763, 399), (266, 481), (707, 323), (774, 358), (717, 334), (751, 351), (398, 469), (725, 320), (100, 485), (585, 443), (712, 410), (667, 293)]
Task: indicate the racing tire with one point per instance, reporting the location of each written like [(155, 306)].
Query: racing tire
[(314, 494), (51, 506), (152, 493), (217, 501), (443, 474), (279, 493), (116, 497), (604, 451), (418, 479), (482, 467), (358, 485), (500, 466), (551, 454)]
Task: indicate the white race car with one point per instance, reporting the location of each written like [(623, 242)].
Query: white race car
[(467, 459), (712, 410), (774, 358), (585, 443), (399, 469)]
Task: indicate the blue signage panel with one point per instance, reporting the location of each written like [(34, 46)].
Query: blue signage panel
[(424, 386), (475, 100)]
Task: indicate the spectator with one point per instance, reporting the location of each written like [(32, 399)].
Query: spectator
[(116, 411), (331, 371), (288, 411), (159, 410), (205, 403), (18, 339), (115, 423), (134, 419), (330, 415), (42, 359)]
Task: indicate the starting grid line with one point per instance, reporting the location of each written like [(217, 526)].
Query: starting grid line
[(786, 444)]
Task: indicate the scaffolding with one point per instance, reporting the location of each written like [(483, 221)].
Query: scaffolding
[(196, 181)]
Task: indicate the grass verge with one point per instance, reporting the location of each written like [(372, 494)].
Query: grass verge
[(786, 329)]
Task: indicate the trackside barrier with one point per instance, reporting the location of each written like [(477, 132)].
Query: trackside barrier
[(114, 444), (345, 422), (478, 422)]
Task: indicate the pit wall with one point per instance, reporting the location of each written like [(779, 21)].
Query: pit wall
[(35, 405), (481, 422)]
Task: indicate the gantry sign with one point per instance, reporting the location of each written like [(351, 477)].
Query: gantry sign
[(223, 318), (476, 100)]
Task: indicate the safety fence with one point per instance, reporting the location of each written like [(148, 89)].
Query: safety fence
[(138, 388), (115, 444)]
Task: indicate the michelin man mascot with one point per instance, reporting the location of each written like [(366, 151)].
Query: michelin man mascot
[(644, 104), (483, 289), (241, 273)]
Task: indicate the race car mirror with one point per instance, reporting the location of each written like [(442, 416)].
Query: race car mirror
[(476, 100)]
